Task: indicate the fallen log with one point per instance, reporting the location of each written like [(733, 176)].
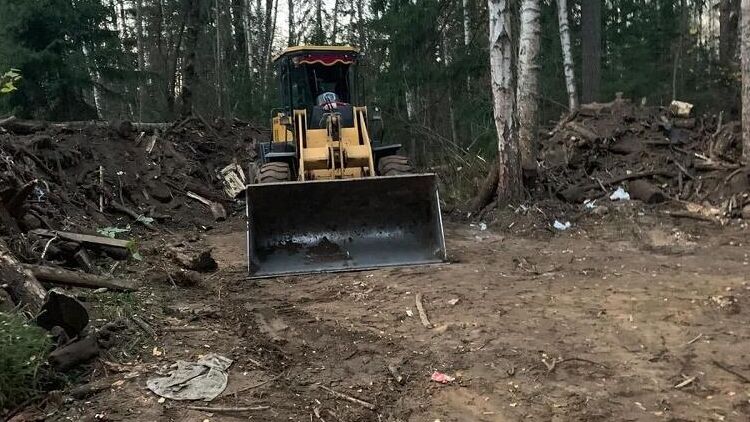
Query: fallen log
[(77, 279), (646, 192), (26, 127), (578, 192), (24, 289)]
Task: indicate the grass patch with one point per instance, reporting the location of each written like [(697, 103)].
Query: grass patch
[(23, 353)]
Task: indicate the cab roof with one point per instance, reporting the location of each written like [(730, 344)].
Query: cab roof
[(301, 49)]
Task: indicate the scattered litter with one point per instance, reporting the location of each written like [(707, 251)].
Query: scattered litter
[(409, 313), (562, 227), (482, 226), (620, 195), (453, 302), (590, 204), (112, 232), (442, 378), (234, 180), (680, 109), (202, 380)]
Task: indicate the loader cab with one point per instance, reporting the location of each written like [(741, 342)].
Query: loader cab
[(307, 72)]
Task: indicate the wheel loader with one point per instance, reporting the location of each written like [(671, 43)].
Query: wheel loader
[(326, 194)]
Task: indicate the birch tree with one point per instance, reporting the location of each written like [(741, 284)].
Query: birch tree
[(246, 19), (569, 67), (528, 82), (745, 47), (509, 184)]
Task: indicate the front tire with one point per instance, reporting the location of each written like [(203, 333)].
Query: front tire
[(274, 173), (394, 165)]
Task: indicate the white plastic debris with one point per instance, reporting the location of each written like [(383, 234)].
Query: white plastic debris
[(620, 195), (202, 380), (482, 226), (562, 226), (680, 109), (590, 204)]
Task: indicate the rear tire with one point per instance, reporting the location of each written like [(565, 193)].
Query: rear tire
[(394, 165), (274, 173)]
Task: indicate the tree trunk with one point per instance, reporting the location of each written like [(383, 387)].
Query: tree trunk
[(729, 14), (746, 81), (141, 54), (246, 17), (467, 35), (567, 51), (361, 24), (335, 29), (96, 80), (319, 34), (290, 21), (23, 287), (509, 184), (528, 82), (217, 59), (591, 47), (190, 77)]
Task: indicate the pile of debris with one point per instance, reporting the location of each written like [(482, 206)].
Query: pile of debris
[(68, 190), (655, 154)]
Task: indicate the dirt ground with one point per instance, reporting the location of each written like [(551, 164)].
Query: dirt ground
[(624, 317)]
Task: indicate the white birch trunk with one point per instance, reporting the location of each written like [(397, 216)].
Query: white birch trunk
[(509, 184), (528, 82), (97, 79), (745, 49), (246, 15), (467, 36), (570, 76)]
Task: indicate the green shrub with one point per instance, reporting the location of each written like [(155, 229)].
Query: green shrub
[(23, 351)]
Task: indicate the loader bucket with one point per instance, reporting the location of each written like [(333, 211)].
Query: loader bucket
[(343, 225)]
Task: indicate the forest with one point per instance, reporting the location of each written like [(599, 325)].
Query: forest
[(374, 210), (428, 61)]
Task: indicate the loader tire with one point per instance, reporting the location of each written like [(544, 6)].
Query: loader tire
[(394, 165), (274, 173)]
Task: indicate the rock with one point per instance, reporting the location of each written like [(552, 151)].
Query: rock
[(64, 311), (626, 146), (187, 278), (30, 222), (160, 191), (200, 261), (75, 353), (646, 192), (600, 210)]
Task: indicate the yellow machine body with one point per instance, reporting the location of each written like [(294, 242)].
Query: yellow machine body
[(326, 206)]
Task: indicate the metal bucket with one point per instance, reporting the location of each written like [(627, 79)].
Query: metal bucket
[(343, 225)]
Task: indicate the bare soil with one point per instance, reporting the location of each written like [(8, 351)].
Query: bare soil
[(623, 317)]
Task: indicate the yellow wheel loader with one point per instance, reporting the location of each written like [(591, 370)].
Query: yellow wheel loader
[(325, 194)]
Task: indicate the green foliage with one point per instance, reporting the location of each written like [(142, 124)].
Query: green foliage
[(23, 350), (47, 41), (9, 81)]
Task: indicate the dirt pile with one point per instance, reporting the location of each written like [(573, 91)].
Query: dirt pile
[(85, 176), (653, 154)]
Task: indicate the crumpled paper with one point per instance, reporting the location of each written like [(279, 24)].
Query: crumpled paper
[(202, 380)]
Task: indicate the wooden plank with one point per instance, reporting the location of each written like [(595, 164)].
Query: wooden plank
[(86, 239)]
